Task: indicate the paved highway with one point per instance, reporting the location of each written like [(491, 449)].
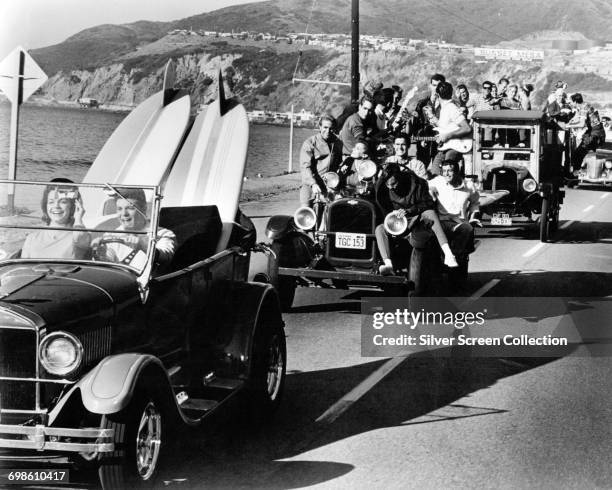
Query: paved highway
[(349, 422)]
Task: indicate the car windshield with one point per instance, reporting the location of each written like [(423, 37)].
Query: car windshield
[(77, 222), (495, 141)]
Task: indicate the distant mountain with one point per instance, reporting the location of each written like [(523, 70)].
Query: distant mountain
[(465, 21)]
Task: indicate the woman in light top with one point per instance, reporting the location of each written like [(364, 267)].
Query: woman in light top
[(62, 207)]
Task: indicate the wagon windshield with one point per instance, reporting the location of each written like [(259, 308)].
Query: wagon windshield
[(77, 222), (501, 138)]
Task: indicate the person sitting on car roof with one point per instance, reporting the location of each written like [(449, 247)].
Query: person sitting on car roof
[(457, 204), (131, 248), (407, 194)]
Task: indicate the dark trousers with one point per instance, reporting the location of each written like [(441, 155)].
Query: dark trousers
[(460, 237)]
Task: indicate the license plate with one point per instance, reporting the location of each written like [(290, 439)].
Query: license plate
[(351, 240), (502, 219)]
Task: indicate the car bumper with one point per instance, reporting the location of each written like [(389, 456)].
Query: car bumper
[(351, 276), (42, 438)]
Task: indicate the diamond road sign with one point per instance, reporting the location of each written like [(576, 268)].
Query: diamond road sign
[(20, 66)]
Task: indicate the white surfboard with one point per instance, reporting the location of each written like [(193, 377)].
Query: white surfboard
[(210, 166), (143, 147)]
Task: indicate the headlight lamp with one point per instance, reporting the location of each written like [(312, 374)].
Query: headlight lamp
[(395, 225), (60, 353), (305, 218), (331, 179), (366, 169), (608, 164), (529, 185)]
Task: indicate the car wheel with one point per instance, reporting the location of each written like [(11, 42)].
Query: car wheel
[(416, 273), (139, 432), (285, 285), (544, 222), (268, 370)]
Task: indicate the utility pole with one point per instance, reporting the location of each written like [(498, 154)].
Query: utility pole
[(355, 51)]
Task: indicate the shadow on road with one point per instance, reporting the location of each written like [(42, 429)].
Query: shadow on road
[(422, 389)]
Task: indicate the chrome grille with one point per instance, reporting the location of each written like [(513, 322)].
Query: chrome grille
[(351, 216), (96, 345), (18, 352)]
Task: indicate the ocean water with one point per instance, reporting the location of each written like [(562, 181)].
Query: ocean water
[(63, 142)]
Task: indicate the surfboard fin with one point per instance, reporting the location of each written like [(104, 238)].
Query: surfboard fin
[(224, 104), (169, 79)]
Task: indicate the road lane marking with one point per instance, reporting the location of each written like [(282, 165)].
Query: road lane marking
[(604, 196), (342, 405), (567, 224), (534, 249), (484, 289), (588, 208)]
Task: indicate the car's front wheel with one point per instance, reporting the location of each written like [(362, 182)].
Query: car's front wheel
[(140, 432)]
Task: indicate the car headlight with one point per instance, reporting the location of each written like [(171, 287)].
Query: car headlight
[(60, 353), (395, 225), (331, 179), (305, 218), (529, 185), (366, 169), (608, 164)]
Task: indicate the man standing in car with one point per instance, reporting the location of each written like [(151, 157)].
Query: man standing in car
[(320, 153)]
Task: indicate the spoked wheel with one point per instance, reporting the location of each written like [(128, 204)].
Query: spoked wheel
[(268, 369), (139, 441)]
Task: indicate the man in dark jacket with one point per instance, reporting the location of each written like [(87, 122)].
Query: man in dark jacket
[(408, 196)]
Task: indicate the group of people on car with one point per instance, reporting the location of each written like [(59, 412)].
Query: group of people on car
[(62, 212), (431, 194)]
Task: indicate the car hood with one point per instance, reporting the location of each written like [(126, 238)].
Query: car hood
[(59, 294)]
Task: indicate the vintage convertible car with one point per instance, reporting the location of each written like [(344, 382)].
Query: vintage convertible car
[(333, 244), (107, 342)]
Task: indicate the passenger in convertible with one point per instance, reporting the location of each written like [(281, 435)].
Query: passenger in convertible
[(408, 195), (401, 142), (457, 205), (131, 248), (62, 207)]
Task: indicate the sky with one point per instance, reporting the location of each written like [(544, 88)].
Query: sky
[(38, 23)]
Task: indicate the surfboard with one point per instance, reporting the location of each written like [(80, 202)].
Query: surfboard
[(210, 166), (142, 148)]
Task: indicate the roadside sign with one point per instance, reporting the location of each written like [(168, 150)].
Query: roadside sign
[(18, 67), (20, 77)]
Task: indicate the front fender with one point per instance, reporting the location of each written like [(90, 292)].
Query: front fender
[(108, 388), (279, 226)]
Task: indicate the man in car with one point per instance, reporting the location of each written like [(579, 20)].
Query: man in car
[(131, 248), (457, 205), (358, 126), (320, 153), (402, 192)]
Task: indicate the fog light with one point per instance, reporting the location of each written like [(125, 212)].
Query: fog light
[(529, 185), (608, 164), (394, 224), (305, 218)]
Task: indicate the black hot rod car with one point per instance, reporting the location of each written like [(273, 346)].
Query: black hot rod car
[(102, 353)]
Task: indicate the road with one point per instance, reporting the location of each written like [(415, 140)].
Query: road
[(349, 422)]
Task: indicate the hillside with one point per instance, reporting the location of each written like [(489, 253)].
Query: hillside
[(465, 21), (122, 64)]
